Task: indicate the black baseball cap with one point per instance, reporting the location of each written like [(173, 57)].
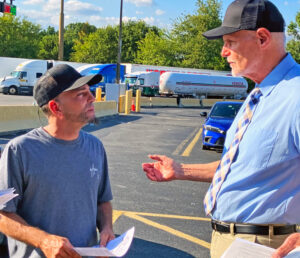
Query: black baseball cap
[(58, 79), (248, 15)]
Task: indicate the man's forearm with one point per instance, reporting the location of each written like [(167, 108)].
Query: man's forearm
[(198, 172), (51, 245), (104, 217), (14, 226)]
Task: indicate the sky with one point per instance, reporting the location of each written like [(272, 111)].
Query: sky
[(161, 13)]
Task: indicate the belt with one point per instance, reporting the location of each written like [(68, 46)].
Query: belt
[(252, 229)]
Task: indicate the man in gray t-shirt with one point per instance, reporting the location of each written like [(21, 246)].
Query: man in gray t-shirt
[(60, 174)]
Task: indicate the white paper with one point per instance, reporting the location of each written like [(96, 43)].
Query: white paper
[(117, 247), (246, 249), (6, 195)]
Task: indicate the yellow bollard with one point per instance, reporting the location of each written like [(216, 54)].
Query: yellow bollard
[(128, 98), (98, 94), (121, 108), (138, 94)]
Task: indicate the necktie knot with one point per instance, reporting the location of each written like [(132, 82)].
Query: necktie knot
[(255, 95)]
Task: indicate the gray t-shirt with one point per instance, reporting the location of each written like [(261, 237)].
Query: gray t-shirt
[(59, 184)]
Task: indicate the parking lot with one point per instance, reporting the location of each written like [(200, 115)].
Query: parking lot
[(168, 217)]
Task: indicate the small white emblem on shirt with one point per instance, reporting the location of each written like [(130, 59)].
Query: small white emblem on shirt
[(94, 171)]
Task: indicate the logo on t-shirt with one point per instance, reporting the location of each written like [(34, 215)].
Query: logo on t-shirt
[(94, 171)]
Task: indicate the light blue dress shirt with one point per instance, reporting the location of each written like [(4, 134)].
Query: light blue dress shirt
[(263, 184)]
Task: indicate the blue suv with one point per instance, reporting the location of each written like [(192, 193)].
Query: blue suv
[(217, 123)]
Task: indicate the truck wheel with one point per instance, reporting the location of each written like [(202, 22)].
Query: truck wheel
[(12, 90)]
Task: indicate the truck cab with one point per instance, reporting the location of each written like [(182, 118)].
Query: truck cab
[(108, 72), (24, 77)]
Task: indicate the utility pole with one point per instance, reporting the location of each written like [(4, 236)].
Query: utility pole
[(61, 32), (119, 44)]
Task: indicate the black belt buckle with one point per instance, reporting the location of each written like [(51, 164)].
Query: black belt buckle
[(224, 228)]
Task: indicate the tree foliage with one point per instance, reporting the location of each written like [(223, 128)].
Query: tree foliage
[(184, 45), (157, 50), (48, 47), (102, 45), (98, 47), (75, 32), (197, 51), (18, 38), (293, 46), (132, 33)]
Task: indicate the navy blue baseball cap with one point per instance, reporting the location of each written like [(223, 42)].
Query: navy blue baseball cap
[(58, 79), (248, 15)]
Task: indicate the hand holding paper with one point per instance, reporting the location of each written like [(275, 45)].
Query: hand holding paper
[(117, 247)]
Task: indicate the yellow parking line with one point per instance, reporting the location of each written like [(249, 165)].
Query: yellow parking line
[(190, 147), (183, 143), (116, 215), (168, 229), (169, 216)]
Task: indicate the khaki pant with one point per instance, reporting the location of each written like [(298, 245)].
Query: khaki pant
[(221, 241)]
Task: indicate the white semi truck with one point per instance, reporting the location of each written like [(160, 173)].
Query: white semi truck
[(25, 75), (202, 86)]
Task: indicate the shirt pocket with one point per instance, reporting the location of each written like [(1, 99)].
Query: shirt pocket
[(264, 144)]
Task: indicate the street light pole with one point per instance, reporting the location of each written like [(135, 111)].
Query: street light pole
[(61, 32), (119, 44)]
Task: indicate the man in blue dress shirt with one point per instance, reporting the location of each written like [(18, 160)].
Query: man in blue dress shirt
[(259, 200)]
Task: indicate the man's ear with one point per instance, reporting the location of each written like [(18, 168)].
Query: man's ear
[(54, 107), (264, 37)]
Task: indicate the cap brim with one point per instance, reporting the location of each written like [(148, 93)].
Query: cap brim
[(219, 32), (90, 80)]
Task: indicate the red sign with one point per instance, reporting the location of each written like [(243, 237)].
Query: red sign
[(6, 8)]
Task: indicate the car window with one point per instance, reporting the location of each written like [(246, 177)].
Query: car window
[(225, 110)]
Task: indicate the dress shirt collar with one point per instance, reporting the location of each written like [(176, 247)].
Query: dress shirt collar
[(276, 75)]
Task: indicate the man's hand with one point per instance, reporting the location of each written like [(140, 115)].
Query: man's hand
[(289, 244), (106, 235), (164, 169), (55, 246)]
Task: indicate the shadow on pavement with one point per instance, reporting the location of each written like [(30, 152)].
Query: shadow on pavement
[(102, 123), (109, 122), (147, 249)]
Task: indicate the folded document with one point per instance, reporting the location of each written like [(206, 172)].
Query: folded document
[(117, 247), (246, 249), (6, 195)]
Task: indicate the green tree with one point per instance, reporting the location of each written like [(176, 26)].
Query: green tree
[(49, 31), (98, 47), (293, 46), (74, 32), (157, 50), (18, 38), (132, 33), (48, 47), (198, 52)]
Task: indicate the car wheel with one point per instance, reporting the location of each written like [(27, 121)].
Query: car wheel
[(12, 90)]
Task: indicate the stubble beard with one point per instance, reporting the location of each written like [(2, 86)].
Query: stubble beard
[(81, 118)]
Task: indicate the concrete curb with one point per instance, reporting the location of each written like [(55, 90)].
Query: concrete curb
[(16, 118)]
